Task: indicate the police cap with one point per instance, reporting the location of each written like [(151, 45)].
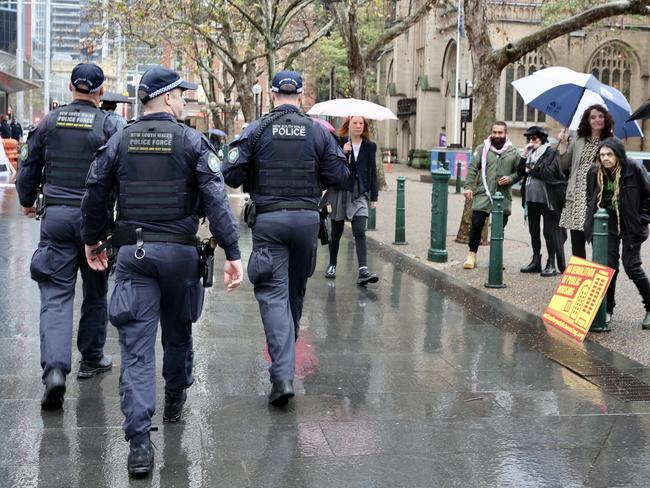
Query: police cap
[(158, 80), (87, 78), (287, 82)]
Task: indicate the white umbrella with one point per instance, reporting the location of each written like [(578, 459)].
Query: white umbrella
[(350, 107)]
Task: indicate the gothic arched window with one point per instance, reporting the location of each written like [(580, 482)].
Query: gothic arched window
[(514, 110), (612, 64)]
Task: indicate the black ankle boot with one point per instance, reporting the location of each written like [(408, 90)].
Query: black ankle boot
[(561, 262), (535, 265), (549, 269)]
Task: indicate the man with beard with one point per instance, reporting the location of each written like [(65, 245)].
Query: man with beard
[(493, 169)]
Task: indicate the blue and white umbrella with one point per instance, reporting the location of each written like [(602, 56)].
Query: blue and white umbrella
[(565, 94)]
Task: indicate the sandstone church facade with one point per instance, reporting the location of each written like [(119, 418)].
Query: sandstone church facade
[(416, 77)]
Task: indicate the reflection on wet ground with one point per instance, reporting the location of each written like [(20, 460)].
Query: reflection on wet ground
[(399, 386)]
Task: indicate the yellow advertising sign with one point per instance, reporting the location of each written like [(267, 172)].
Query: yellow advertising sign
[(578, 296)]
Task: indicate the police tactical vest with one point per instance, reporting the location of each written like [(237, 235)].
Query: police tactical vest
[(286, 161), (70, 146), (156, 182)]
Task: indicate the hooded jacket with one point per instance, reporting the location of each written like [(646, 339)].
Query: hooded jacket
[(635, 195)]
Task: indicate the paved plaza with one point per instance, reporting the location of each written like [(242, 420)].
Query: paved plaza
[(417, 381)]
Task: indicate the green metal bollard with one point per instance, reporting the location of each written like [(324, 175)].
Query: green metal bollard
[(458, 168), (400, 213), (439, 197), (495, 271), (599, 255), (372, 218)]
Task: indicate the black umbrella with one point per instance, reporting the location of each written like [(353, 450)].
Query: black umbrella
[(643, 112), (115, 98)]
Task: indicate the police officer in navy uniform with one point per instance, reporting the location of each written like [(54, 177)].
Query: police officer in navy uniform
[(284, 161), (109, 105), (166, 175), (60, 151)]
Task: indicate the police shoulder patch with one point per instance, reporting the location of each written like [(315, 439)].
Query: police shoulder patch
[(233, 155), (214, 163), (24, 152)]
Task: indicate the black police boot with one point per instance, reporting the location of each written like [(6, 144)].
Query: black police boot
[(281, 393), (54, 390), (366, 277), (549, 269), (535, 265), (92, 367), (174, 402), (331, 271), (140, 460)]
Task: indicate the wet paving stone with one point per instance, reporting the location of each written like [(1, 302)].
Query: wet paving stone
[(402, 384)]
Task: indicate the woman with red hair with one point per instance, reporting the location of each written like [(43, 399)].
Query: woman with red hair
[(352, 200)]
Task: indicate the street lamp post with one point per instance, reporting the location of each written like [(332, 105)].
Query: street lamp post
[(257, 90)]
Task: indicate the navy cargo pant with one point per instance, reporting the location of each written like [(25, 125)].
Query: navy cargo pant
[(54, 266), (164, 285), (283, 258)]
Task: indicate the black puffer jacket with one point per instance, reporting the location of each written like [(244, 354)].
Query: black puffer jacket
[(635, 195), (547, 169)]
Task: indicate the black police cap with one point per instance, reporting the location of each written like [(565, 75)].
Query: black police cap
[(287, 82), (87, 78), (158, 80)]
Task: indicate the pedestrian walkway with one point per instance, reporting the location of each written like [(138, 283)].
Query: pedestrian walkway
[(400, 384), (529, 292)]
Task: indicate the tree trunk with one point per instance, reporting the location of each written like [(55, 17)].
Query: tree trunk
[(229, 118), (358, 82), (245, 77), (381, 175), (486, 88)]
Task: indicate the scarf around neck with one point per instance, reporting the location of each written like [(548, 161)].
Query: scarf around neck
[(487, 146), (534, 156)]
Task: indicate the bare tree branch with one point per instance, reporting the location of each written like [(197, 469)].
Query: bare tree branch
[(297, 52), (515, 50), (373, 50)]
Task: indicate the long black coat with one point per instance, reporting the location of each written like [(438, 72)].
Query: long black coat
[(363, 169), (547, 169), (635, 196)]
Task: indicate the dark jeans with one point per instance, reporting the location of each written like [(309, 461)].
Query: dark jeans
[(553, 235), (631, 254), (478, 221), (359, 233), (578, 244)]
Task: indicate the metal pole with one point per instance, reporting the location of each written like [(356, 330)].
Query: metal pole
[(48, 55), (599, 255), (118, 68), (20, 58), (457, 101), (458, 169), (495, 271), (400, 213), (439, 203)]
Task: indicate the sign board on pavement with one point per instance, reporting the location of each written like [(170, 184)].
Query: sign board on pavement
[(578, 295)]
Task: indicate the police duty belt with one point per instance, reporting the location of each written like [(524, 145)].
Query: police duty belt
[(129, 236)]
